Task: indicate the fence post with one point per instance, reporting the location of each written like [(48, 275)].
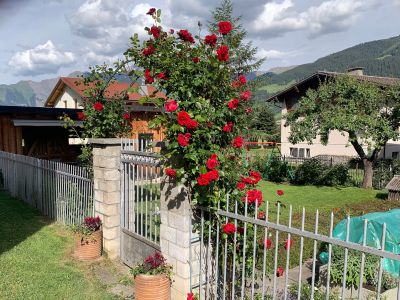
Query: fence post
[(175, 235), (107, 191)]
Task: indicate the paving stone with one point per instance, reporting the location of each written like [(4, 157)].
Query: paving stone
[(123, 291)]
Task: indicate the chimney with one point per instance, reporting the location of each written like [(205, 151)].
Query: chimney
[(355, 71)]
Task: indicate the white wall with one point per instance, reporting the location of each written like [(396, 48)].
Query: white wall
[(67, 99)]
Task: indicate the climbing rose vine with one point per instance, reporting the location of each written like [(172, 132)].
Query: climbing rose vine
[(205, 110)]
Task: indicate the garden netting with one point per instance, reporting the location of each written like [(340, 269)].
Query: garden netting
[(374, 234)]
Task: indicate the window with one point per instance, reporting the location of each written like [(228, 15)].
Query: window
[(301, 152), (294, 152), (308, 154), (145, 139), (395, 155)]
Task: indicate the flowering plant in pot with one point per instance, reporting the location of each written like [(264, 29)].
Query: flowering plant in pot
[(153, 278), (88, 238)]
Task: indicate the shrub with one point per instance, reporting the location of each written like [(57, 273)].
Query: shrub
[(384, 169), (278, 170), (309, 172), (335, 175)]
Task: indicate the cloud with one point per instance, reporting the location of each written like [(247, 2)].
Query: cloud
[(107, 25), (271, 54), (43, 59), (278, 18)]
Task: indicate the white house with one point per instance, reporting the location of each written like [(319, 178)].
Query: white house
[(337, 143)]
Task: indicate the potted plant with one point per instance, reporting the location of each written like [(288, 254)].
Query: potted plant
[(153, 278), (88, 238)]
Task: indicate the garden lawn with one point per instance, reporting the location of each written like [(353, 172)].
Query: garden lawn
[(35, 258)]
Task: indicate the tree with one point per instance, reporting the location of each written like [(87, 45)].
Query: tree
[(367, 112), (244, 58), (263, 124)]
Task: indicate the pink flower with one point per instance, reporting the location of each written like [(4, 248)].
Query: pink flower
[(171, 105), (98, 106), (248, 110), (229, 228), (190, 296)]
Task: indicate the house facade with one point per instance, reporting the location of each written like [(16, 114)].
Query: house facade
[(68, 93), (338, 143)]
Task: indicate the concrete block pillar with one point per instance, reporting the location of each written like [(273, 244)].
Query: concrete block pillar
[(107, 191), (175, 235)]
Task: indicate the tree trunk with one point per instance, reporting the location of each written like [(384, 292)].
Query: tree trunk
[(368, 173)]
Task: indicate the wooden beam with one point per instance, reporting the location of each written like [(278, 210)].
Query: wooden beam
[(1, 134), (12, 139), (5, 125), (18, 139)]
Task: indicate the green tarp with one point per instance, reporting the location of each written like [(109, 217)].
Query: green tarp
[(374, 234)]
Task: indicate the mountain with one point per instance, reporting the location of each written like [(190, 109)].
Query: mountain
[(379, 58), (279, 70), (28, 92)]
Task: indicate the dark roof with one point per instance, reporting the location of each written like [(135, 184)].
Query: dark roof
[(323, 75), (394, 184), (38, 112)]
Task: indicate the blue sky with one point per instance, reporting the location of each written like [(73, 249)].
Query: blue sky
[(47, 38)]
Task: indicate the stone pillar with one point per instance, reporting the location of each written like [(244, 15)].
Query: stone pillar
[(107, 191), (175, 235)]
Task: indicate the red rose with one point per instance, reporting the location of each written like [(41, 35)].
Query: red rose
[(240, 185), (242, 79), (126, 116), (261, 215), (245, 95), (171, 31), (81, 115), (151, 11), (162, 76), (155, 31), (223, 53), (279, 272), (248, 110), (233, 103), (237, 142), (212, 162), (267, 243), (98, 106), (203, 180), (192, 124), (149, 50), (228, 127), (288, 244), (171, 105), (190, 296), (253, 196), (213, 175), (224, 27), (183, 118), (211, 40), (183, 139), (240, 230), (235, 84), (196, 59), (147, 76), (186, 36), (256, 176), (170, 172), (279, 192), (229, 228)]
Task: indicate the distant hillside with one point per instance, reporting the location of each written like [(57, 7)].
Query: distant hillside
[(27, 92), (379, 58), (279, 70)]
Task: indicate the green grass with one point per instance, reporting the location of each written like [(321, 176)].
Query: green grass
[(35, 258)]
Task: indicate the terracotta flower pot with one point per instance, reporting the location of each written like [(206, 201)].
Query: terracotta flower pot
[(88, 247), (151, 287)]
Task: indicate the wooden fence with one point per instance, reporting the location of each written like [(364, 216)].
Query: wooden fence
[(60, 191)]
